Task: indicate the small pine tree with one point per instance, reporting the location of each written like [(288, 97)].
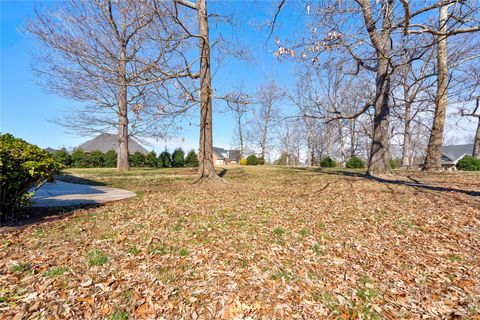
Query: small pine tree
[(79, 158), (178, 158), (393, 163), (151, 160), (355, 163), (137, 159), (165, 159), (328, 162), (95, 159), (191, 159), (110, 159), (252, 160)]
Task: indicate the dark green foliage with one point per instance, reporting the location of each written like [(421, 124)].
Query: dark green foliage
[(110, 159), (328, 162), (63, 157), (22, 166), (137, 159), (151, 160), (80, 158), (469, 163), (261, 161), (191, 159), (165, 160), (252, 160), (178, 158), (282, 160), (355, 163), (95, 159), (393, 164)]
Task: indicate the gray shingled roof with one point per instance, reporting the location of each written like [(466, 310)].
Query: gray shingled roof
[(455, 153), (106, 142), (223, 154)]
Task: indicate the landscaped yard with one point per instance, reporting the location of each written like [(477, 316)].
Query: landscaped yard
[(272, 242)]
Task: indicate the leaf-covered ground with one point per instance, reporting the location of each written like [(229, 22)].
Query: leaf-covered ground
[(272, 242)]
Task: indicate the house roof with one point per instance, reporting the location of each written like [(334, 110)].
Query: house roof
[(223, 154), (451, 154), (106, 142)]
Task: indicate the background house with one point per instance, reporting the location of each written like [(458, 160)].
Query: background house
[(452, 154), (225, 157), (106, 142)]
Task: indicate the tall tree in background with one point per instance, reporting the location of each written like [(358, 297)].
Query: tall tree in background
[(463, 18), (268, 96), (113, 56), (238, 102)]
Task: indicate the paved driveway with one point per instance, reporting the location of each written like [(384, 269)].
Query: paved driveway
[(61, 194)]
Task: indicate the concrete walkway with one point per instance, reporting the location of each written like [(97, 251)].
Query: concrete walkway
[(61, 194)]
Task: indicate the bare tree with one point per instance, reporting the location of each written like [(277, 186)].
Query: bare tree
[(107, 54), (238, 102), (454, 17), (268, 97), (206, 170), (412, 92), (289, 134)]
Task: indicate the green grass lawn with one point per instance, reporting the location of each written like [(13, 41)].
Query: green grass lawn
[(270, 242)]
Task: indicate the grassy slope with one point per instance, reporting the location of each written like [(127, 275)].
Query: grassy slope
[(271, 242)]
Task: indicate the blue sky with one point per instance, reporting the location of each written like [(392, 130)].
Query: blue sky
[(26, 110)]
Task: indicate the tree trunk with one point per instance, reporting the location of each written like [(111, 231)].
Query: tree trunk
[(353, 142), (240, 136), (206, 170), (122, 152), (434, 149), (476, 144), (378, 162), (3, 214), (407, 137), (343, 154)]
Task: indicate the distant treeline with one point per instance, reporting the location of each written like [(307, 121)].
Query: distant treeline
[(97, 159)]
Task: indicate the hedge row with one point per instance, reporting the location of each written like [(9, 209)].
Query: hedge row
[(97, 159)]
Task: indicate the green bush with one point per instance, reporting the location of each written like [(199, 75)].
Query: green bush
[(110, 159), (469, 163), (355, 163), (191, 159), (252, 160), (23, 166), (178, 158), (137, 159), (79, 158), (165, 160), (63, 157), (95, 159), (328, 162), (393, 164), (151, 160), (261, 161)]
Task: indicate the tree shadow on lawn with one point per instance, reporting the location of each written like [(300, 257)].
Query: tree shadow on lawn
[(65, 177), (32, 216), (415, 183)]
